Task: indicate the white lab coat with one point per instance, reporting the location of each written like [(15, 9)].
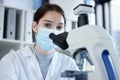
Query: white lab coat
[(23, 65)]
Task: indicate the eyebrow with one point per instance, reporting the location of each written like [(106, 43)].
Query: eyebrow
[(47, 21), (52, 21), (61, 23)]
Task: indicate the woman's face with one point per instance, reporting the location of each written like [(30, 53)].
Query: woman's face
[(51, 20)]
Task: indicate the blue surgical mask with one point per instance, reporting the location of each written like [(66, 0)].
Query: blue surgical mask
[(43, 39)]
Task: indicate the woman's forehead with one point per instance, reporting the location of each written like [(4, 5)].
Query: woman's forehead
[(53, 16)]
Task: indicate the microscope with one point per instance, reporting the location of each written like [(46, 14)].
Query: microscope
[(92, 48)]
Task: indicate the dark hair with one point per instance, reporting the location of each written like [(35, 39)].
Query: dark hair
[(41, 11)]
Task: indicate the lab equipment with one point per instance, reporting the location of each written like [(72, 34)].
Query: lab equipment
[(93, 43)]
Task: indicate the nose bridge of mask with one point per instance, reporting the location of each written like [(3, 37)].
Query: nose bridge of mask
[(45, 31), (58, 32)]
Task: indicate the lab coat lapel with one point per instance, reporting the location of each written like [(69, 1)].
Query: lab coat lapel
[(37, 69), (29, 54), (53, 68)]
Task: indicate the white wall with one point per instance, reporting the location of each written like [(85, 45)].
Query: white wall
[(115, 12), (115, 22), (22, 4)]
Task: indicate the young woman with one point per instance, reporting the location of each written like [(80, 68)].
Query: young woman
[(41, 61)]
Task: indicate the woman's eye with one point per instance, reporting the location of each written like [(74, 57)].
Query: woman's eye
[(59, 27), (47, 25)]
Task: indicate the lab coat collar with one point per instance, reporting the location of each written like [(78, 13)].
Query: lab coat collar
[(27, 52), (53, 68)]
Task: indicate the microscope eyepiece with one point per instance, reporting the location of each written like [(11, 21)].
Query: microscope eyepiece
[(60, 40)]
